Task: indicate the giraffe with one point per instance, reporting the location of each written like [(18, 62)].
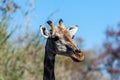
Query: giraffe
[(59, 41)]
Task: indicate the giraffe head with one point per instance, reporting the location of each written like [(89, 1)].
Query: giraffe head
[(60, 40)]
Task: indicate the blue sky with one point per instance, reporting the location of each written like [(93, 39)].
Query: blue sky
[(92, 16)]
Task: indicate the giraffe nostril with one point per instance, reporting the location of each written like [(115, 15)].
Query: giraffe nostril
[(78, 51)]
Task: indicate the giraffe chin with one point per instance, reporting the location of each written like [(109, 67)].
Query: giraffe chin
[(78, 57)]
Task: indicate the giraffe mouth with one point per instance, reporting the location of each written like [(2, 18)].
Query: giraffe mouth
[(78, 57)]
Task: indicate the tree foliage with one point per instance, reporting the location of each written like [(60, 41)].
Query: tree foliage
[(110, 57)]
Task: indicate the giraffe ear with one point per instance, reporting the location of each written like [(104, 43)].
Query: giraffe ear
[(72, 30), (45, 33)]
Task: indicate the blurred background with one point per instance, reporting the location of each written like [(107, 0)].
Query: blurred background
[(22, 46)]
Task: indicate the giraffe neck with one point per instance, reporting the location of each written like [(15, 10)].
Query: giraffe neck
[(49, 61)]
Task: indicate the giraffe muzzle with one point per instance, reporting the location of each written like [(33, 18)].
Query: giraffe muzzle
[(78, 56)]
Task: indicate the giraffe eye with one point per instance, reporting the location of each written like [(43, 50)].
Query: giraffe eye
[(55, 38)]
